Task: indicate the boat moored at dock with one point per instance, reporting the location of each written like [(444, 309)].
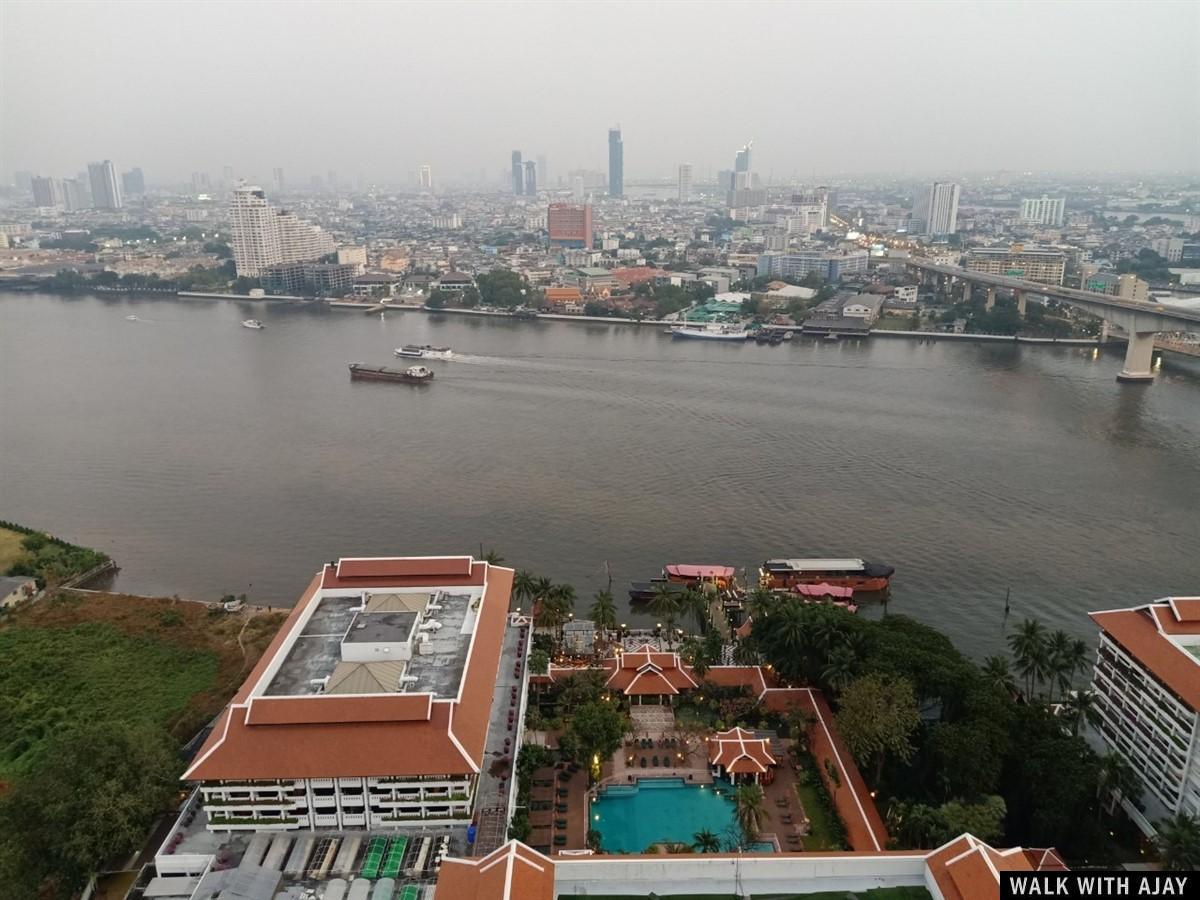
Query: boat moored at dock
[(411, 375), (845, 573), (710, 332), (721, 576), (644, 591)]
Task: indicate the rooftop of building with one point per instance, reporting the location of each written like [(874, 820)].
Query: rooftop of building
[(410, 693), (1164, 636)]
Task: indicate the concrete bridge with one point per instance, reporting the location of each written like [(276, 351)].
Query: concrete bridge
[(1138, 319)]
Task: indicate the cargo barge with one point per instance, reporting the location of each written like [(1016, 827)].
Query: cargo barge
[(411, 375)]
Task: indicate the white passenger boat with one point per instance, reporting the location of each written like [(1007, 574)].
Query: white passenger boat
[(253, 323), (424, 351), (710, 332)]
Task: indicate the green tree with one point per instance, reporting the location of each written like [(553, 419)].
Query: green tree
[(539, 662), (597, 728), (1030, 650), (1178, 843), (91, 800), (1080, 708), (695, 603), (877, 719), (751, 811), (985, 820), (665, 606), (997, 673), (523, 587), (604, 612), (704, 841), (1116, 779), (501, 288), (840, 669)]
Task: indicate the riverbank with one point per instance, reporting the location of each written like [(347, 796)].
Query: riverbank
[(996, 338)]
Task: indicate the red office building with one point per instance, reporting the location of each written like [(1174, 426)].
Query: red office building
[(570, 224)]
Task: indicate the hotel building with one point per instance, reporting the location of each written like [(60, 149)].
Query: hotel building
[(376, 704), (1044, 265), (265, 236), (1147, 686), (570, 225)]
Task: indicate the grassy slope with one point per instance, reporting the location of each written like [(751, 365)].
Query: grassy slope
[(11, 550), (820, 835), (157, 662)]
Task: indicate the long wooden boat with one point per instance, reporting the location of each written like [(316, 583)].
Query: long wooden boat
[(849, 573)]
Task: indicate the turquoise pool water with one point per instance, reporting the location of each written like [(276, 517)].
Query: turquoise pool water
[(632, 817)]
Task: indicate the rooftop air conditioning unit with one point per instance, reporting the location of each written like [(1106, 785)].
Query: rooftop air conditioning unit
[(319, 684)]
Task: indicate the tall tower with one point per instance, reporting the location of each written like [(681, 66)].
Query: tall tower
[(543, 170), (685, 182), (530, 178), (106, 190), (425, 175), (518, 173), (616, 163), (941, 209), (254, 230), (742, 176), (277, 178)]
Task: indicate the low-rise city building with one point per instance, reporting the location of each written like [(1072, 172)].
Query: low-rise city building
[(1044, 265)]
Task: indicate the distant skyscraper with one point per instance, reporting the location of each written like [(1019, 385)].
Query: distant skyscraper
[(74, 195), (1046, 211), (227, 176), (200, 182), (106, 190), (742, 176), (530, 178), (133, 182), (46, 191), (333, 180), (616, 163), (277, 178), (543, 173), (941, 209), (685, 182), (23, 181), (518, 173), (578, 186), (425, 176)]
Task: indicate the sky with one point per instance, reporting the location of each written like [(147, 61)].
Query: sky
[(375, 89)]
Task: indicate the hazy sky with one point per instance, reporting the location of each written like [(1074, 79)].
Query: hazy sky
[(376, 89)]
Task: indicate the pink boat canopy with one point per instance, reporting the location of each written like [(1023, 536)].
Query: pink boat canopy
[(700, 571), (824, 590)]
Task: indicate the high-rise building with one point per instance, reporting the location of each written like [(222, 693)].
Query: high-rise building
[(518, 173), (74, 195), (1041, 264), (264, 236), (742, 177), (570, 224), (200, 182), (530, 178), (543, 172), (106, 190), (578, 186), (425, 177), (227, 176), (939, 212), (1043, 211), (616, 163), (46, 191), (685, 182), (333, 180), (1146, 684), (277, 179), (133, 182), (23, 181)]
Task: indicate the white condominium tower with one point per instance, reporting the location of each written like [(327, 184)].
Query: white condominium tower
[(685, 182), (1043, 211), (106, 189), (941, 208), (264, 236)]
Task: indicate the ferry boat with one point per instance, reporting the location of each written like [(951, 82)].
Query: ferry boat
[(411, 375), (710, 332), (721, 576), (847, 573), (424, 351), (253, 323), (132, 319)]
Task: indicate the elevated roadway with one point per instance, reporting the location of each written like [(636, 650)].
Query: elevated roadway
[(1139, 319)]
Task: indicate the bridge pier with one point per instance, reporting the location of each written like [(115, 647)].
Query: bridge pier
[(1020, 297), (1139, 358), (966, 292), (991, 299)]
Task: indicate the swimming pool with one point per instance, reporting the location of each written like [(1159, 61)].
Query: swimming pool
[(632, 817)]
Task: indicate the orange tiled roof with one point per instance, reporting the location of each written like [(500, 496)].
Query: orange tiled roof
[(739, 752), (648, 672), (259, 737), (1142, 632), (968, 869), (511, 871)]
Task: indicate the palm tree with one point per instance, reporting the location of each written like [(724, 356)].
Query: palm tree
[(677, 847), (1117, 779), (1078, 708), (1028, 645), (665, 606), (523, 587), (840, 669), (1178, 843), (760, 602), (704, 841), (696, 603), (604, 612), (1060, 666), (998, 674), (745, 653), (562, 596), (751, 813), (493, 558)]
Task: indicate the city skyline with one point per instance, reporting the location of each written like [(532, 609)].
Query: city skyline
[(66, 118)]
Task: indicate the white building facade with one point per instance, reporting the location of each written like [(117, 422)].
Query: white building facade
[(1044, 210), (264, 236), (941, 209)]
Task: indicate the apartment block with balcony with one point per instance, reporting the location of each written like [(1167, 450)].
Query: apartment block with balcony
[(1044, 265), (374, 706), (1147, 685)]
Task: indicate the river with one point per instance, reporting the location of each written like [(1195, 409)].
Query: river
[(209, 458)]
